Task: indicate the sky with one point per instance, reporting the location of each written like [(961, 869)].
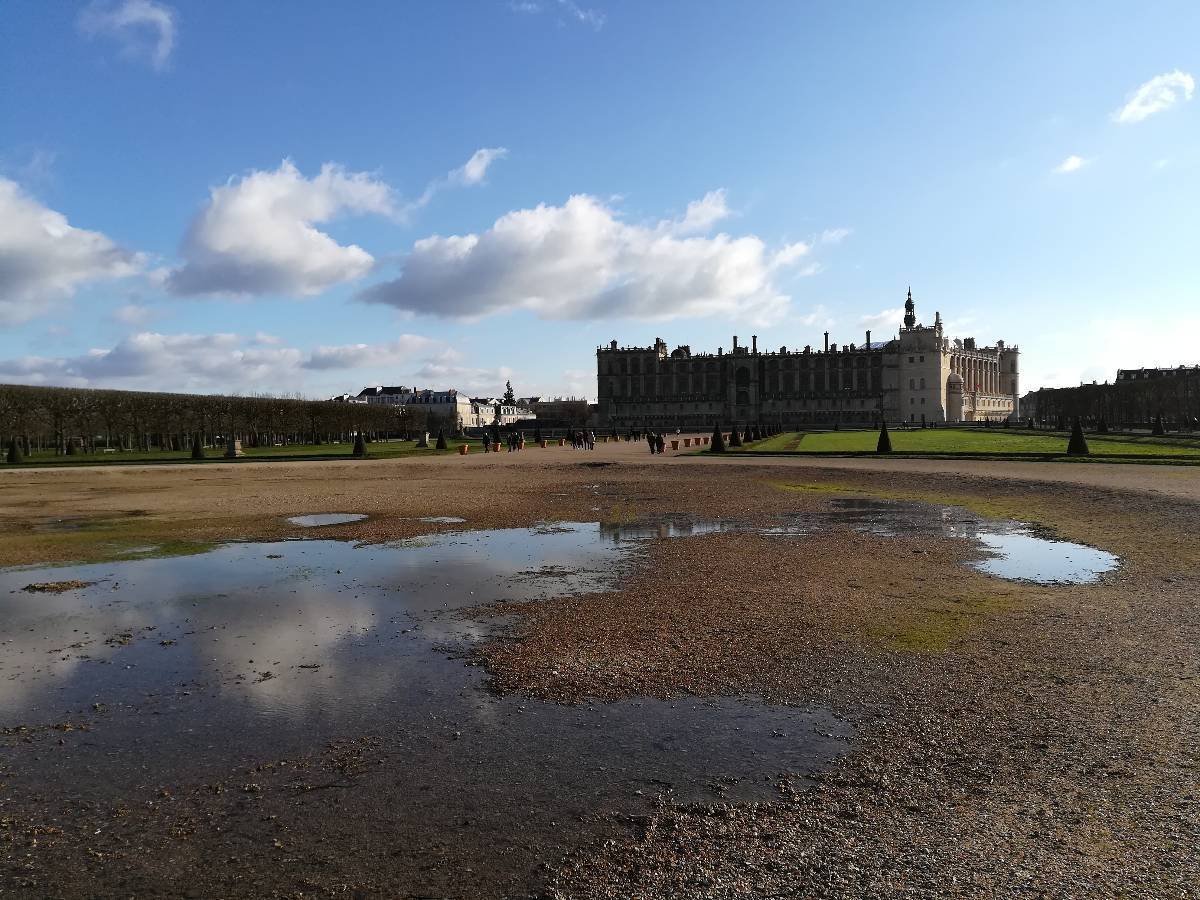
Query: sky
[(309, 198)]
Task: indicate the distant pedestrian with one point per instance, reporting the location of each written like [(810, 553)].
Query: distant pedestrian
[(662, 443), (653, 444)]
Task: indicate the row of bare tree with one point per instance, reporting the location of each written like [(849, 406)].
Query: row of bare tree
[(1133, 403), (67, 420)]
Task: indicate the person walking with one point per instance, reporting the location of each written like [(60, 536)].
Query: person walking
[(662, 444), (650, 440)]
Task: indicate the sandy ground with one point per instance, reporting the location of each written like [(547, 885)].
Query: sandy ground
[(1011, 739)]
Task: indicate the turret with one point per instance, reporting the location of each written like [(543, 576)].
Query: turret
[(910, 311)]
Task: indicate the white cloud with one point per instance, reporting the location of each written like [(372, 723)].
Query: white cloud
[(885, 319), (146, 29), (569, 9), (44, 259), (1070, 164), (592, 17), (1159, 93), (256, 234), (474, 170), (834, 235), (229, 362), (702, 214), (399, 352), (580, 261), (134, 314)]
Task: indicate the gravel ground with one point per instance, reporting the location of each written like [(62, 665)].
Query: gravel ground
[(1011, 739)]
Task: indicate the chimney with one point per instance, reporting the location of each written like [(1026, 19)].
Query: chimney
[(735, 342), (827, 342), (754, 343), (868, 338)]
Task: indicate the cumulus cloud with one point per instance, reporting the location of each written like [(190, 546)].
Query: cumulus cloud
[(580, 261), (44, 259), (256, 234), (224, 362), (703, 214), (1158, 94), (474, 170), (133, 314), (351, 356), (1070, 164), (146, 29)]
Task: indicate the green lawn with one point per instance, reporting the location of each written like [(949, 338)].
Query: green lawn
[(376, 450), (971, 440)]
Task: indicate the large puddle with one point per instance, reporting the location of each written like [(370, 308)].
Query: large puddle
[(129, 681), (1012, 550), (183, 670)]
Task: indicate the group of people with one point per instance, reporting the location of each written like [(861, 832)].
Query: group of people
[(657, 442), (516, 441), (583, 440)]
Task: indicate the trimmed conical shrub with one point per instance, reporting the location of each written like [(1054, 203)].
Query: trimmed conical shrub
[(197, 447), (1158, 426), (1077, 446), (735, 437), (537, 434), (441, 441), (14, 451), (718, 441), (360, 445), (748, 436), (1102, 426), (885, 440)]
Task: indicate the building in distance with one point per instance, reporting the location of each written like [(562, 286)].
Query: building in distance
[(921, 375)]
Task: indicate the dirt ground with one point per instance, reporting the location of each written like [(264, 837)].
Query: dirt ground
[(1011, 738)]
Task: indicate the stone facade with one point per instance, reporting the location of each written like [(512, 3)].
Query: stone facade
[(920, 375)]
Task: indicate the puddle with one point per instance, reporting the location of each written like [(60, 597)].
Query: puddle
[(1013, 550), (318, 519), (442, 520), (187, 668)]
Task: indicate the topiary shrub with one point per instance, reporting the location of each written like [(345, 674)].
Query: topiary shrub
[(441, 441), (748, 436), (1077, 446), (197, 447), (14, 452), (1158, 426), (360, 446), (1102, 426), (735, 437), (885, 440), (718, 441)]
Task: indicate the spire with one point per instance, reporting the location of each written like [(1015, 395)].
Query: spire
[(910, 315)]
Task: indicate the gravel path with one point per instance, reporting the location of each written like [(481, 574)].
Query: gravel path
[(1011, 739)]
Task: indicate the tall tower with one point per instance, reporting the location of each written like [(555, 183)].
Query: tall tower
[(910, 313)]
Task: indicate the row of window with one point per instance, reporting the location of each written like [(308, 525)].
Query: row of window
[(627, 366)]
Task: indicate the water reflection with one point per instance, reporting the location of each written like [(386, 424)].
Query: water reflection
[(200, 662), (1013, 550)]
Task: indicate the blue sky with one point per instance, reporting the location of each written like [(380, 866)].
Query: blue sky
[(310, 197)]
